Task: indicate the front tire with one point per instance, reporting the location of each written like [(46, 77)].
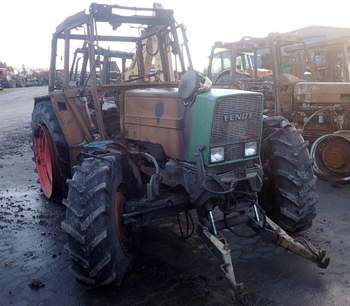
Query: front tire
[(288, 194), (100, 248)]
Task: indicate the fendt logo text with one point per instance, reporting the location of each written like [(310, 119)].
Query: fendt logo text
[(238, 117)]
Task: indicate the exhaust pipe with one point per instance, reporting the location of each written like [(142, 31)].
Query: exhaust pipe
[(331, 155)]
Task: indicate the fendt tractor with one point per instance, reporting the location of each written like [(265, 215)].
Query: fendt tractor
[(126, 139), (282, 68)]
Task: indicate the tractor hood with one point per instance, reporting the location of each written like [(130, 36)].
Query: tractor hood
[(226, 120), (322, 92)]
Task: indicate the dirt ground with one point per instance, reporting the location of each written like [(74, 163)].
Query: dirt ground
[(169, 271)]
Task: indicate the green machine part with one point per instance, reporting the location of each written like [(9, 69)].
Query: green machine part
[(200, 119)]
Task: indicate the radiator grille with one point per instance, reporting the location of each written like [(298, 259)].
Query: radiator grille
[(233, 151), (237, 120)]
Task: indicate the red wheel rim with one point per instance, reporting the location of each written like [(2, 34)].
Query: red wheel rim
[(118, 205), (46, 160)]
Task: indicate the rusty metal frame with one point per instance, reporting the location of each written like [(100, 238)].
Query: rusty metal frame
[(274, 42), (161, 22)]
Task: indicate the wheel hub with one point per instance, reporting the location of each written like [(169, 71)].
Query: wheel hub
[(118, 207), (46, 160)]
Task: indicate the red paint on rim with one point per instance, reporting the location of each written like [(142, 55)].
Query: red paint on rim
[(46, 160), (118, 204)]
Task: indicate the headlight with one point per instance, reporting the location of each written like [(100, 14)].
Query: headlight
[(217, 154), (250, 148)]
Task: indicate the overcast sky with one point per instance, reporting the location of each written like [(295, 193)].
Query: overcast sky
[(26, 26)]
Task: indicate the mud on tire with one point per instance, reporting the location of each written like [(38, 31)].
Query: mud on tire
[(288, 194), (97, 253)]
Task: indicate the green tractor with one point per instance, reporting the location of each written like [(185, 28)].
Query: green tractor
[(156, 141)]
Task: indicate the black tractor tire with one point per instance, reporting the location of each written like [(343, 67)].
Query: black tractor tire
[(98, 254), (288, 194), (43, 114)]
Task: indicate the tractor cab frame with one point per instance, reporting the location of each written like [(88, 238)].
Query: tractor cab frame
[(89, 75)]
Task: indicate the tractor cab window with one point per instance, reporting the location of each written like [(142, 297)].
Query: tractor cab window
[(216, 65), (262, 62), (226, 60), (294, 62), (221, 61), (264, 59), (239, 63)]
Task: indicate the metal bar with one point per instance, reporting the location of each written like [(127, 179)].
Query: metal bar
[(211, 61), (163, 57), (233, 67), (52, 75), (123, 67), (177, 44), (133, 8), (66, 58), (275, 63), (83, 69), (140, 63), (346, 62), (105, 70), (135, 85), (146, 20), (101, 37), (76, 69), (73, 64), (184, 35), (93, 87), (221, 250), (212, 222), (255, 64), (309, 252)]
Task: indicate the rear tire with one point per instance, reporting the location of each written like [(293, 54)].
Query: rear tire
[(288, 194), (43, 117), (100, 250)]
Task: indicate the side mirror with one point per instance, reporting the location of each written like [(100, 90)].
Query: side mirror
[(188, 86), (191, 84)]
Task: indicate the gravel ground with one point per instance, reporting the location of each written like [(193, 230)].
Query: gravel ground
[(34, 268)]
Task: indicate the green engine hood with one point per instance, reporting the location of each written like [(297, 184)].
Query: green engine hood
[(200, 119)]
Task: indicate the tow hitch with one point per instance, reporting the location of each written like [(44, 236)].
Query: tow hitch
[(220, 248)]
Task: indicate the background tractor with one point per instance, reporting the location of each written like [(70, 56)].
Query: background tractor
[(124, 143), (281, 67), (7, 77)]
